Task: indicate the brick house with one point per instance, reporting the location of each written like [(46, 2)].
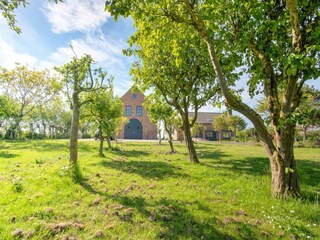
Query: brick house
[(139, 125), (206, 120)]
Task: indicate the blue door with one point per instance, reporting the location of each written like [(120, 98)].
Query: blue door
[(133, 130)]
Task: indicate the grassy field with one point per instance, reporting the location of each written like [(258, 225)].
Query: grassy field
[(139, 192)]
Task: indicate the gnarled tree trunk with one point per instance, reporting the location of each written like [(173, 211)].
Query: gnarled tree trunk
[(284, 172)]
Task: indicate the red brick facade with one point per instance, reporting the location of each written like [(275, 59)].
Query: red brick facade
[(135, 112)]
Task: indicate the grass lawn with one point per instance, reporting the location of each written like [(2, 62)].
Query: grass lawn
[(139, 192)]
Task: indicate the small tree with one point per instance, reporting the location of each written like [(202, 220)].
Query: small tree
[(308, 113), (236, 123), (197, 129), (104, 111), (160, 112), (220, 123), (79, 79)]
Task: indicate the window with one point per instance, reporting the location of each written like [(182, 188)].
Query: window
[(139, 111), (128, 110), (226, 134), (134, 96), (210, 120)]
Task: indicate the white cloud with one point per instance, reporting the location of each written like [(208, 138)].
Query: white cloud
[(75, 15), (8, 56), (104, 51)]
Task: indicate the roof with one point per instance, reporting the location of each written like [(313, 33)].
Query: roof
[(205, 117)]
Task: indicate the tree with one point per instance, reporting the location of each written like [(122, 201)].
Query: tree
[(278, 45), (175, 63), (47, 118), (27, 89), (220, 123), (104, 110), (79, 79), (236, 123), (197, 129), (160, 112)]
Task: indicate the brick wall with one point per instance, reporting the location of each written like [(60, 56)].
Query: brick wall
[(149, 130)]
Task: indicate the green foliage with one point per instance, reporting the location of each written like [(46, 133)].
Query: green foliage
[(26, 91), (160, 111), (275, 42), (105, 111), (7, 9), (197, 129)]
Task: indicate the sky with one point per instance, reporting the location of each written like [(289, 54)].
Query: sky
[(48, 29)]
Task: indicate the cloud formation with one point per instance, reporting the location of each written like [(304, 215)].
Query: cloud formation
[(75, 15)]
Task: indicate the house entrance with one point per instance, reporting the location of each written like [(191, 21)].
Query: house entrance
[(133, 130), (210, 135)]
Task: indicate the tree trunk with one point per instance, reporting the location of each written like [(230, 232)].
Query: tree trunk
[(44, 129), (187, 133), (304, 133), (171, 145), (159, 134), (284, 174), (101, 142), (109, 142), (170, 139), (74, 132)]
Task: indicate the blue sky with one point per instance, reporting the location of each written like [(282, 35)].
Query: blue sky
[(49, 28)]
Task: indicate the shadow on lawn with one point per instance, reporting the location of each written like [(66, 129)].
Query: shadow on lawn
[(212, 155), (309, 172), (39, 145), (250, 165), (132, 153), (7, 155), (146, 169), (175, 220), (47, 146)]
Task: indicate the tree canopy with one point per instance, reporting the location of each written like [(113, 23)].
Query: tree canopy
[(276, 42)]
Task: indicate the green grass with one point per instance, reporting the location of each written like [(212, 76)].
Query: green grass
[(139, 192)]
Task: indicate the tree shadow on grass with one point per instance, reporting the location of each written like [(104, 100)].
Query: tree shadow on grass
[(146, 169), (309, 172), (212, 155), (250, 165), (131, 153), (39, 146), (175, 220), (47, 146), (8, 155)]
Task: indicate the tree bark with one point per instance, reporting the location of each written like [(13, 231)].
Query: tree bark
[(284, 174), (305, 133), (170, 139), (109, 143), (74, 132), (187, 133), (101, 138)]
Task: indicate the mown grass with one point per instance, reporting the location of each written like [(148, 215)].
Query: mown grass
[(139, 192)]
